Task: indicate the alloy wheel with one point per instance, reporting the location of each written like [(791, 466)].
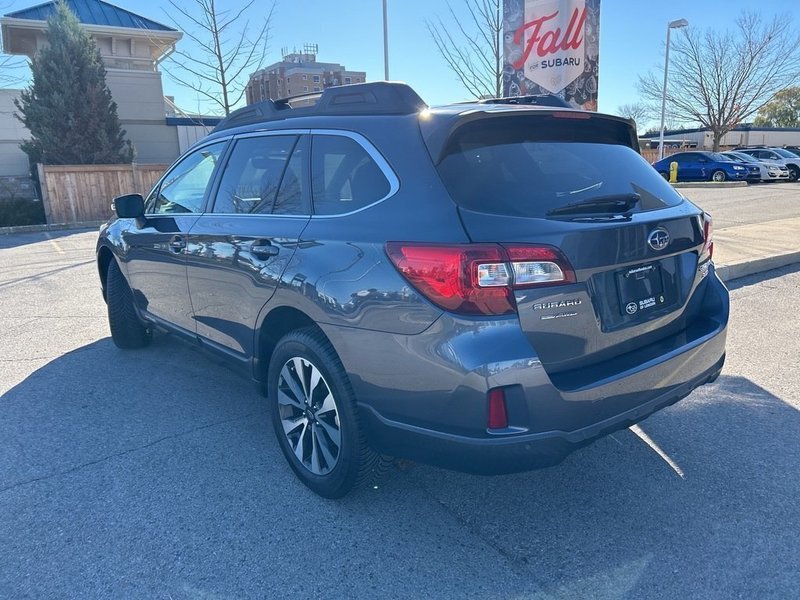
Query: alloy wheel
[(309, 416)]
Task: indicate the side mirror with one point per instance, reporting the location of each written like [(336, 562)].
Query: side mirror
[(129, 206)]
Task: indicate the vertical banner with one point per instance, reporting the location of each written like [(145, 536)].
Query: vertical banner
[(552, 47)]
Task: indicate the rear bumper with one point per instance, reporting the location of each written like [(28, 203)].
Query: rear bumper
[(523, 452), (423, 397)]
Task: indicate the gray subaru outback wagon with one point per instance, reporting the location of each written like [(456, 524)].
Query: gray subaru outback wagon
[(481, 286)]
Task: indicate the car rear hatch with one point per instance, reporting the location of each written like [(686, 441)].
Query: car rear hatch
[(627, 245)]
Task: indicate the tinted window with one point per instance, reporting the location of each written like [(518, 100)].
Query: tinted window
[(344, 176), (512, 169), (183, 189), (253, 174)]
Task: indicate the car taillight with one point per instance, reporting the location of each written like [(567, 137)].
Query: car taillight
[(478, 279), (708, 236)]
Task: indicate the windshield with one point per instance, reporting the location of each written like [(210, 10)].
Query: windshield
[(741, 157), (784, 153), (516, 168), (721, 157)]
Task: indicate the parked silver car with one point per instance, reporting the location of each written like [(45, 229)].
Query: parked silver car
[(770, 171), (777, 155)]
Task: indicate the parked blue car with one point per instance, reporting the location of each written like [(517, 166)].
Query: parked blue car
[(702, 166)]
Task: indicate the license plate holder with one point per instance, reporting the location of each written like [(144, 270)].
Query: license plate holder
[(640, 289)]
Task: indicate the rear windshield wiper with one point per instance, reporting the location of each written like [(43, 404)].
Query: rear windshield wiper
[(601, 205)]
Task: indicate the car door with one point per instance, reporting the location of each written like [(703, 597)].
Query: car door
[(238, 249), (688, 167), (156, 257)]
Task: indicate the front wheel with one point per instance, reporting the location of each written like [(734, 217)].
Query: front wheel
[(794, 173), (718, 176), (127, 331), (314, 415)]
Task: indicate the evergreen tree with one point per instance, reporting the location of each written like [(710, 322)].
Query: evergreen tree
[(68, 108)]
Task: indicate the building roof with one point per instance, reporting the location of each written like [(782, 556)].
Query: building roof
[(742, 127), (92, 12)]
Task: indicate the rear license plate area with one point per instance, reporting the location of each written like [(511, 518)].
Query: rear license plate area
[(640, 289)]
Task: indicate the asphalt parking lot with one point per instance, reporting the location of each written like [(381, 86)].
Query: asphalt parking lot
[(154, 474), (755, 203)]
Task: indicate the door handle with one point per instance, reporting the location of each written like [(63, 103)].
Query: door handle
[(263, 250), (177, 244)]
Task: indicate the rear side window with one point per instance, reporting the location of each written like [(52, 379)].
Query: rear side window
[(253, 174), (529, 166), (344, 177)]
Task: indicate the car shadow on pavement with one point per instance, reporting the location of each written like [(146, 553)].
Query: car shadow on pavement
[(14, 240), (156, 473)]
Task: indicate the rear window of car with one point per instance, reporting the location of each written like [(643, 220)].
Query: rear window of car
[(528, 166)]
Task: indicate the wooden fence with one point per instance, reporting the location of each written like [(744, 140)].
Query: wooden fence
[(651, 154), (78, 193)]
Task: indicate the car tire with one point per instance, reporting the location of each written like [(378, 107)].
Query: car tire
[(127, 331), (794, 173), (718, 176), (313, 407)]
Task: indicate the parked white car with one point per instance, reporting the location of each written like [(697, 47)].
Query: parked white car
[(770, 171)]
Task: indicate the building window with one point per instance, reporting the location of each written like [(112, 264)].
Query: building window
[(316, 88), (348, 80), (305, 88), (316, 78), (305, 77)]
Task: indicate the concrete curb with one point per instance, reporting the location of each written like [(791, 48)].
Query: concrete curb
[(710, 184), (756, 265), (50, 227)]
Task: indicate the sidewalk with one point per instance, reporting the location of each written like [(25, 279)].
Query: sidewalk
[(749, 249)]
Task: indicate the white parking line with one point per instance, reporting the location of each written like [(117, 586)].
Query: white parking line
[(649, 441)]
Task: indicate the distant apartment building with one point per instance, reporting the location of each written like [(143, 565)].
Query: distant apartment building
[(298, 73)]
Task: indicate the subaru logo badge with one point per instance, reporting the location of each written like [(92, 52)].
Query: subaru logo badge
[(658, 239)]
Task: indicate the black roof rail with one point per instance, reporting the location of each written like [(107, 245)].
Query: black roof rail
[(375, 98), (533, 99)]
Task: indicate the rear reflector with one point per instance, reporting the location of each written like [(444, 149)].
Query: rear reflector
[(478, 279), (497, 417)]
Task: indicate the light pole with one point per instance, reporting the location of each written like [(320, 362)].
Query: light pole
[(672, 25), (385, 43)]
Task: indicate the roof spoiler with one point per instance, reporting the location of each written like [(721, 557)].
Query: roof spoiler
[(376, 98)]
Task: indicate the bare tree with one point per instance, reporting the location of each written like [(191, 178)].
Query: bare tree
[(219, 65), (11, 70), (719, 79), (638, 111), (11, 67), (472, 45)]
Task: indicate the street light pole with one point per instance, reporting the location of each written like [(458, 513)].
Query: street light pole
[(385, 42), (670, 26)]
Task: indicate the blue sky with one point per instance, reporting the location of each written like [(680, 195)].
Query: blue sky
[(350, 32)]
